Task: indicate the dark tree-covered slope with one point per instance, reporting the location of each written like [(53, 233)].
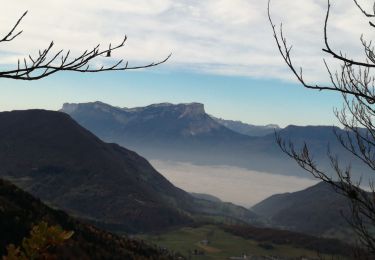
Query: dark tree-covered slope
[(19, 211)]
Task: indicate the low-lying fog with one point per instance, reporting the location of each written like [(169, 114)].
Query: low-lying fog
[(240, 186)]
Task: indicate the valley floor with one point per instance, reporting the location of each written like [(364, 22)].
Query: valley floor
[(211, 242)]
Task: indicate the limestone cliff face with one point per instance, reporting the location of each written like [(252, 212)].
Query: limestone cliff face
[(164, 119), (191, 110)]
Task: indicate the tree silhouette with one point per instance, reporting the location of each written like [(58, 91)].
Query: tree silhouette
[(47, 62), (355, 82)]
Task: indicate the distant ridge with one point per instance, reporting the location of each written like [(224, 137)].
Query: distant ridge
[(247, 129)]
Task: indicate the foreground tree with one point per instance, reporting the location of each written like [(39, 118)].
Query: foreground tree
[(355, 81), (42, 240), (47, 62)]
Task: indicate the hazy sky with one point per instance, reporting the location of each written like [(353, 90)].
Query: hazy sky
[(223, 54)]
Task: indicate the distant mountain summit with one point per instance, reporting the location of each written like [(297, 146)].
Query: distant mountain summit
[(158, 120)]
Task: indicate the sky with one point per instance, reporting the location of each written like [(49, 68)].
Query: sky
[(223, 54)]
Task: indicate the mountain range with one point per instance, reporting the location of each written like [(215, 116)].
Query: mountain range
[(49, 155), (185, 132), (55, 159)]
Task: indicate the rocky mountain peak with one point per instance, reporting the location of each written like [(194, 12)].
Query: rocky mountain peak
[(192, 109), (69, 107)]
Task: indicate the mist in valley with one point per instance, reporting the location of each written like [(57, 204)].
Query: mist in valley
[(230, 184)]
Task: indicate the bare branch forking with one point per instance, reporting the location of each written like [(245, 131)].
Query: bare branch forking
[(340, 56), (370, 15), (285, 52), (11, 36), (46, 63)]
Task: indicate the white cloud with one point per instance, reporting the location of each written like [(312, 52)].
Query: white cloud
[(215, 36)]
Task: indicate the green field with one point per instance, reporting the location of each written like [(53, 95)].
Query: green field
[(222, 245)]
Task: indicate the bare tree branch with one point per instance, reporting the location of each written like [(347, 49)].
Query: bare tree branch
[(47, 63)]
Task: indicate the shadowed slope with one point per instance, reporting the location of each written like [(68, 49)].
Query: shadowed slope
[(54, 158), (19, 211), (48, 154), (317, 210)]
